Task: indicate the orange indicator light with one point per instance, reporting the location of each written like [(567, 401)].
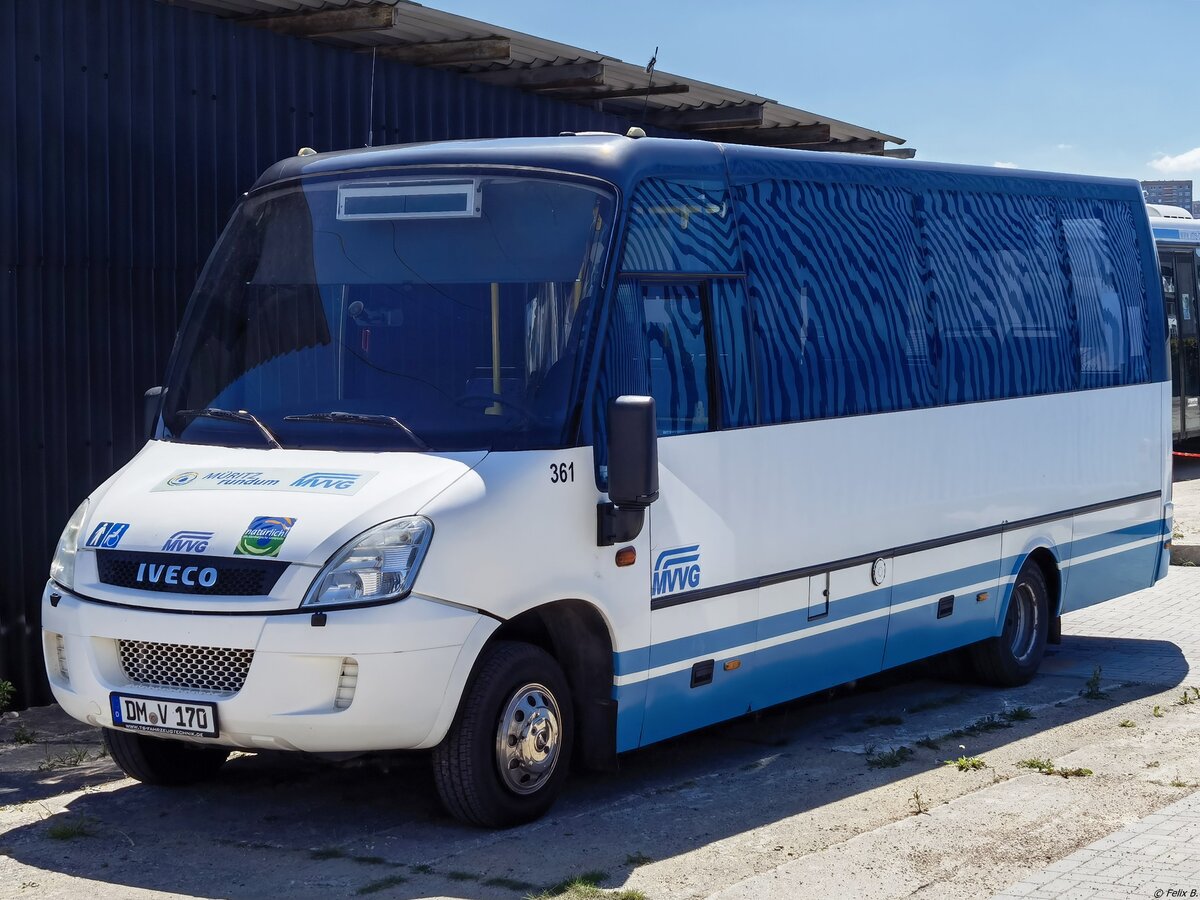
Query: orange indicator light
[(626, 556), (733, 664)]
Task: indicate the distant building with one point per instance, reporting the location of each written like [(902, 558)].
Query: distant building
[(1196, 209), (1172, 193)]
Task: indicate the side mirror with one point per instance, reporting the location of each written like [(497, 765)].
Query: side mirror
[(632, 452), (151, 403), (632, 469)]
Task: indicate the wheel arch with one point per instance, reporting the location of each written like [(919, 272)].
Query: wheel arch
[(1046, 561), (577, 635)]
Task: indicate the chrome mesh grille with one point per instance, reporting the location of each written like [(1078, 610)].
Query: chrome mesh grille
[(181, 666)]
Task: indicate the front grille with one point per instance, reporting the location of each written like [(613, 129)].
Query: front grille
[(182, 666), (170, 572)]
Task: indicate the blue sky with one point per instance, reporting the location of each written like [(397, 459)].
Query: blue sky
[(1064, 85)]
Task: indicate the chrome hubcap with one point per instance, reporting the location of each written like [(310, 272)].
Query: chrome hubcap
[(1022, 622), (528, 739)]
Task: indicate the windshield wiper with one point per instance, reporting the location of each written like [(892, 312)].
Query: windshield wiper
[(231, 415), (360, 419)]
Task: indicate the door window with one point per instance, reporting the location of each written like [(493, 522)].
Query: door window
[(677, 346)]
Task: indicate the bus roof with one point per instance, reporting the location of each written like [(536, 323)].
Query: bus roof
[(623, 161)]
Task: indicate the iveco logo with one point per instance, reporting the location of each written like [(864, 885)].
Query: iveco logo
[(677, 569), (188, 542), (340, 481), (189, 576)]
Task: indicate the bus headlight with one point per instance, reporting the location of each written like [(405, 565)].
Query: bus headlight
[(62, 567), (380, 564)]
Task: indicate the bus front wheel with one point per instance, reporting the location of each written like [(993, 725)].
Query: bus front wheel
[(506, 755), (1013, 657)]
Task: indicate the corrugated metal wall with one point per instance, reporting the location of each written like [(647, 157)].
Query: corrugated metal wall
[(127, 130)]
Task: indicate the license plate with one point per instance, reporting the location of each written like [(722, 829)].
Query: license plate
[(141, 713)]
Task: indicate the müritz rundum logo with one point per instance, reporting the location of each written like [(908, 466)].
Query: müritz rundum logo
[(265, 536), (676, 570), (340, 481), (188, 542)]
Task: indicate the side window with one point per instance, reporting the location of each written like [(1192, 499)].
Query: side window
[(681, 226), (1108, 292), (834, 281), (732, 343), (1002, 313), (677, 348)]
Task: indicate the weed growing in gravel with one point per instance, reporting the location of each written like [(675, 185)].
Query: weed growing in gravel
[(6, 694), (638, 859), (1179, 782), (1078, 772), (888, 759), (68, 759), (1185, 699), (1045, 766), (937, 703), (1127, 723), (919, 805), (1018, 714), (382, 884), (1153, 764), (872, 721), (1157, 712), (1091, 689), (23, 735), (929, 743), (327, 853), (979, 726), (585, 887), (69, 829), (967, 763), (512, 884)]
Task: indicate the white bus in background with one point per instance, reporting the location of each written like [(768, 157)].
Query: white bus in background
[(528, 452), (1177, 236)]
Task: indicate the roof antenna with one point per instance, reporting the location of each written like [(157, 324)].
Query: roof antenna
[(650, 83), (371, 102)]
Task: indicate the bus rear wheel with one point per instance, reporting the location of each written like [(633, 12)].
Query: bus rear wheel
[(506, 756), (160, 760), (1013, 657)]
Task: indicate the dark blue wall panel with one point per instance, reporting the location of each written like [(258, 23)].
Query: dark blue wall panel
[(128, 128)]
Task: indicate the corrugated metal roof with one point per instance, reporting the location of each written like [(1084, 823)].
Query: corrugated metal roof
[(690, 108)]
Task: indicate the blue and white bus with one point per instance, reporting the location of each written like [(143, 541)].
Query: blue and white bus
[(1177, 237), (532, 451)]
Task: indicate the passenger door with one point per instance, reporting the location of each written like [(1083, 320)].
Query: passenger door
[(699, 524)]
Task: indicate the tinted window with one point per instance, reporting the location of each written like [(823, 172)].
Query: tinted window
[(680, 226), (1002, 315), (677, 349), (835, 288)]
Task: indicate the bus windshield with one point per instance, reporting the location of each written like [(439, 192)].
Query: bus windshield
[(435, 313)]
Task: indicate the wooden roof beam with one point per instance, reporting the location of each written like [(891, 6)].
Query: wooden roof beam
[(782, 136), (545, 77), (577, 95), (444, 53), (898, 153), (710, 118), (325, 22), (872, 146)]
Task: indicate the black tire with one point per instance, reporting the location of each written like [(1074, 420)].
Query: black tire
[(1012, 658), (467, 766), (161, 761)]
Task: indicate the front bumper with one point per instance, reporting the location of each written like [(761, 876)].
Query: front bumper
[(376, 678)]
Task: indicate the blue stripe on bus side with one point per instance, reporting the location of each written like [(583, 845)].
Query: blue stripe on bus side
[(718, 640), (772, 675)]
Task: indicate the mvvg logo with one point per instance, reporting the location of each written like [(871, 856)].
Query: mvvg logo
[(676, 570), (339, 481), (188, 542)]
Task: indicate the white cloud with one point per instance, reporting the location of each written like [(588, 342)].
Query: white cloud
[(1185, 163), (1064, 146), (1006, 165)]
